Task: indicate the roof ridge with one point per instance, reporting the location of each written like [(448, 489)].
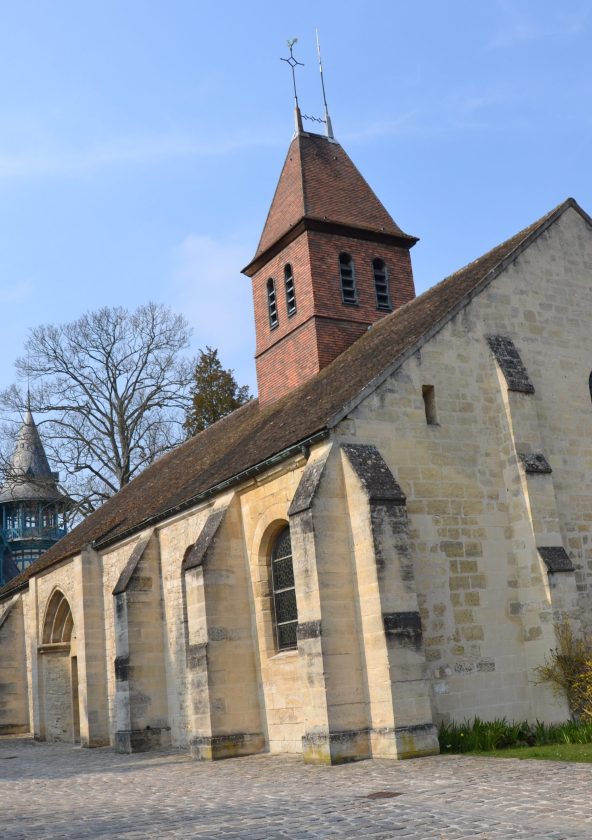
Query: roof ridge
[(302, 181)]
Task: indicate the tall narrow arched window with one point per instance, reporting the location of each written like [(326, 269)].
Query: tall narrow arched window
[(349, 292), (381, 285), (290, 290), (284, 594), (272, 304)]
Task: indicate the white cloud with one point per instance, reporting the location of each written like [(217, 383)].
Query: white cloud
[(405, 124), (15, 293), (137, 150), (519, 27), (455, 113), (207, 287)]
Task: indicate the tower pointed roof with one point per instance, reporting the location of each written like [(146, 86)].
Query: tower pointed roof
[(29, 475), (320, 182)]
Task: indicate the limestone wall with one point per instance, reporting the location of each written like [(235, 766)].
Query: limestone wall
[(174, 541), (57, 696), (486, 599), (14, 706), (264, 509)]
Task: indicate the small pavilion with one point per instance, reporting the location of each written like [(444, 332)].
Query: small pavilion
[(32, 506)]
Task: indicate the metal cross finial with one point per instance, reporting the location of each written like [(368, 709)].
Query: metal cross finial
[(293, 64)]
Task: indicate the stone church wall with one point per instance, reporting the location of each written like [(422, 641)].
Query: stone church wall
[(264, 510), (487, 601), (175, 540), (57, 696), (437, 535), (14, 706)]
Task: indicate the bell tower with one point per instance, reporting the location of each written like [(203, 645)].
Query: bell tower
[(330, 262)]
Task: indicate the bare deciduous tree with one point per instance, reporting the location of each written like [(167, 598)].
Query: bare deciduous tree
[(109, 392)]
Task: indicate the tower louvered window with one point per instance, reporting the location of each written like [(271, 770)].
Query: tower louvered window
[(290, 290), (272, 304), (284, 594), (349, 292), (381, 285)]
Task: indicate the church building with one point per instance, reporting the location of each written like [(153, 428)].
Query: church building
[(384, 540)]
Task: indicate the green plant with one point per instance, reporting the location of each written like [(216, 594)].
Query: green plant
[(568, 668), (486, 736)]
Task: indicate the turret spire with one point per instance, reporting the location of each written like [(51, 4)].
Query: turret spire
[(32, 506)]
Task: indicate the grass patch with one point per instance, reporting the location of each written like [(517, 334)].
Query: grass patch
[(550, 752), (486, 736)]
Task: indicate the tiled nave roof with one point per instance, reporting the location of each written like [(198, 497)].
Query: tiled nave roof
[(251, 435)]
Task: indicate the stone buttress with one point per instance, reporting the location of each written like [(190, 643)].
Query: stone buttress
[(391, 632), (225, 716), (141, 708), (91, 652), (334, 697), (542, 572)]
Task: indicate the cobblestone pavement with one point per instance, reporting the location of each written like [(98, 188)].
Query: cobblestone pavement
[(55, 791)]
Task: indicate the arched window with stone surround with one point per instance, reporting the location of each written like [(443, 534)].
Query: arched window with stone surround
[(284, 594), (347, 275)]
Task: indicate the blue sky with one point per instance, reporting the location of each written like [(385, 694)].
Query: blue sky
[(140, 142)]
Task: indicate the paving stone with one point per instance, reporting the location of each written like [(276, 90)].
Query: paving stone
[(58, 791)]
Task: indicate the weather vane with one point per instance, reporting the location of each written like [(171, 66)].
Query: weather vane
[(293, 64)]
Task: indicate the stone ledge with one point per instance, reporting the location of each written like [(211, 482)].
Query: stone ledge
[(216, 747), (535, 462), (142, 740), (54, 647), (195, 556), (511, 364), (374, 473), (556, 558)]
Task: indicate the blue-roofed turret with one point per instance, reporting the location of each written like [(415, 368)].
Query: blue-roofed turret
[(32, 506)]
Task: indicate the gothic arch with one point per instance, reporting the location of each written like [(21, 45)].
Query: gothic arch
[(269, 527), (58, 624), (60, 712)]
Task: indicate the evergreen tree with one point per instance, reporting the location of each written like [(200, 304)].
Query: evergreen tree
[(215, 392)]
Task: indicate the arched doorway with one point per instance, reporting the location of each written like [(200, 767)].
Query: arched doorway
[(59, 665)]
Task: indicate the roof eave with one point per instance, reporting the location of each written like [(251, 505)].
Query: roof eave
[(311, 223)]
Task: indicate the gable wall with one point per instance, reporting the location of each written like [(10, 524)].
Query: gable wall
[(486, 604)]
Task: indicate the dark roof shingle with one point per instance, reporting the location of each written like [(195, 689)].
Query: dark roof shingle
[(320, 181), (251, 434)]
